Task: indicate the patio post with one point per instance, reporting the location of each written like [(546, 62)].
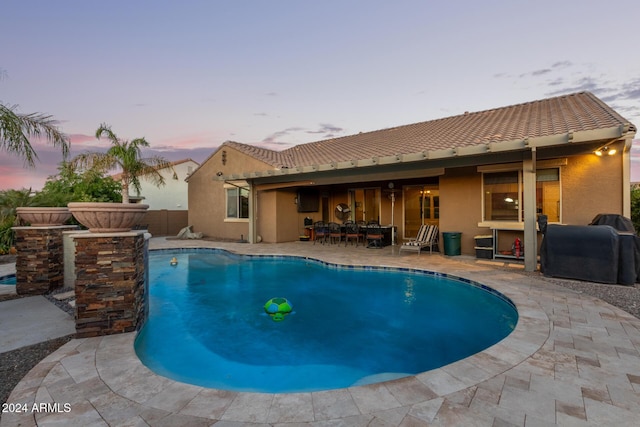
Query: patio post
[(529, 203)]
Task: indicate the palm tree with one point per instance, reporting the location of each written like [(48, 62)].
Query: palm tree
[(126, 156), (16, 128)]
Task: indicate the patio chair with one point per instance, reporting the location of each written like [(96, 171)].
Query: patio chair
[(335, 232), (427, 236), (352, 232), (374, 236), (320, 231)]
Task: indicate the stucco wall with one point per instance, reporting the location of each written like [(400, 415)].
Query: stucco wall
[(207, 197), (266, 212), (461, 206), (288, 223), (591, 185)]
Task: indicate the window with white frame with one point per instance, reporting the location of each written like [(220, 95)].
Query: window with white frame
[(237, 203), (503, 195)]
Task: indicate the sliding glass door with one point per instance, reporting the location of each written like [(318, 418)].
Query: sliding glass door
[(365, 204), (421, 206)]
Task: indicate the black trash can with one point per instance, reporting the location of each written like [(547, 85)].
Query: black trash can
[(451, 242)]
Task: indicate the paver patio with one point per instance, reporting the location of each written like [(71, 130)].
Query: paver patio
[(573, 360)]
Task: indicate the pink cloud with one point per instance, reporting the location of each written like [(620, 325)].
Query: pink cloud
[(79, 138)]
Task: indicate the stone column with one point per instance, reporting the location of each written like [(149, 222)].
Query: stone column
[(40, 260), (111, 282)]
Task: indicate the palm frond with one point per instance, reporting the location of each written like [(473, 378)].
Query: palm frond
[(16, 129)]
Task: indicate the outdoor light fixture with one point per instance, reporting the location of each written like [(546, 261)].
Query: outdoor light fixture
[(605, 150)]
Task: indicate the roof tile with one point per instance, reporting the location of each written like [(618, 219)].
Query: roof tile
[(553, 116)]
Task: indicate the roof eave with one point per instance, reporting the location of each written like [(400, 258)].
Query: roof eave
[(570, 137)]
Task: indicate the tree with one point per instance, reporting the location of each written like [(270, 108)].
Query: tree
[(635, 207), (16, 129), (125, 156), (9, 201), (70, 186)]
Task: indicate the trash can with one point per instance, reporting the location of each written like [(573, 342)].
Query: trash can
[(451, 242)]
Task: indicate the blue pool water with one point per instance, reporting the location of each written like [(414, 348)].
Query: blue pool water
[(8, 280), (207, 324)]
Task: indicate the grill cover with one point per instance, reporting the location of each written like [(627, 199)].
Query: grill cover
[(608, 252)]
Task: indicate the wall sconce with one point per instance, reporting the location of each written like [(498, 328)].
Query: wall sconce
[(295, 200), (219, 173), (605, 150)]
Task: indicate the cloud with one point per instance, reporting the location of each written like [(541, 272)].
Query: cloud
[(327, 128), (276, 137), (295, 135), (79, 138), (631, 90), (198, 154), (541, 72)]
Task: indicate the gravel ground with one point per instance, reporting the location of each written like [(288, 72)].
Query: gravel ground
[(14, 365)]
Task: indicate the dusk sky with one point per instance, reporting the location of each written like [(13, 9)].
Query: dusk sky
[(190, 75)]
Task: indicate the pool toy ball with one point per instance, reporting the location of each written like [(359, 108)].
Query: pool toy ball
[(277, 308)]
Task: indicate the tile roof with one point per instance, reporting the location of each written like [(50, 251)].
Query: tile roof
[(553, 116)]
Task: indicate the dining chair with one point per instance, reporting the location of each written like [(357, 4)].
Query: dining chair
[(335, 232), (352, 232), (320, 231), (374, 236)]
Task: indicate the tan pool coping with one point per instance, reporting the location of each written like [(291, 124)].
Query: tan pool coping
[(572, 360)]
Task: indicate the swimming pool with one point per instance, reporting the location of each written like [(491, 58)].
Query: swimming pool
[(8, 280), (349, 326)]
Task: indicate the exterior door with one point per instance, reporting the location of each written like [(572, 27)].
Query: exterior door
[(421, 206), (365, 204)]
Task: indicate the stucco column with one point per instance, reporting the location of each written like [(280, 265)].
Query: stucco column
[(530, 217), (252, 212)]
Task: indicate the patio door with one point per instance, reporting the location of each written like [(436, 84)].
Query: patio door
[(365, 204), (421, 206)]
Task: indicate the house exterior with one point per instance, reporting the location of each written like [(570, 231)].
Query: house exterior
[(489, 172), (173, 194)]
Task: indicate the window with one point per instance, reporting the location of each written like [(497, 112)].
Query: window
[(501, 201), (237, 203), (548, 193), (503, 195)]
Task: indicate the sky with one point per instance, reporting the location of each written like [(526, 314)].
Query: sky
[(189, 75)]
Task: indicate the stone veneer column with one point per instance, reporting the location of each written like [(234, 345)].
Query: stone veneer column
[(111, 282), (40, 260)]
